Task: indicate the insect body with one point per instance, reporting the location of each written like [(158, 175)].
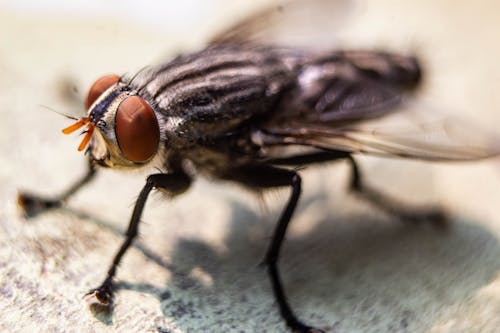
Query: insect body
[(232, 112), (224, 100)]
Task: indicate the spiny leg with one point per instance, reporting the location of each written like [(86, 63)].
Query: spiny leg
[(32, 204), (264, 176), (390, 205), (173, 183)]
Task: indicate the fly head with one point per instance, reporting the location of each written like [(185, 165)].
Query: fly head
[(121, 127)]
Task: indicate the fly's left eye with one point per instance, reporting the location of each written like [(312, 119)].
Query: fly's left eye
[(100, 86), (137, 129)]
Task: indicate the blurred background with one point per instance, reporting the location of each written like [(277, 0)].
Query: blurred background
[(347, 267)]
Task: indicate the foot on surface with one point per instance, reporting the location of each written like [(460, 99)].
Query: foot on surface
[(102, 296), (306, 329), (100, 303), (434, 216), (32, 205), (298, 327)]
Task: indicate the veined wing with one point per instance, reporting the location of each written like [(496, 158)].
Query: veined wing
[(297, 23), (413, 131)]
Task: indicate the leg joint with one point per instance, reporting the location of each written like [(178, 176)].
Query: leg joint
[(174, 183), (355, 175), (296, 180)]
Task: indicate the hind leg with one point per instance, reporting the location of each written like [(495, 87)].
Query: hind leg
[(391, 205)]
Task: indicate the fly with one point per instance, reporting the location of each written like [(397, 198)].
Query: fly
[(247, 111)]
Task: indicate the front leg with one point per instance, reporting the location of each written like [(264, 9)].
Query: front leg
[(32, 204), (173, 184)]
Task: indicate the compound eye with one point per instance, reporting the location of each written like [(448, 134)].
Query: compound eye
[(100, 86), (137, 129)]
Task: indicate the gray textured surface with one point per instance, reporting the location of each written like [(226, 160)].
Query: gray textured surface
[(346, 267)]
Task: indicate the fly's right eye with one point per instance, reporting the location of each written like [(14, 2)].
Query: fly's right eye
[(100, 86)]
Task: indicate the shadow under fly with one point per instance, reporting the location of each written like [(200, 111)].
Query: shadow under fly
[(252, 110)]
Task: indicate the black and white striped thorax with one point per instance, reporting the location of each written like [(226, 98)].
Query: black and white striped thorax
[(212, 92)]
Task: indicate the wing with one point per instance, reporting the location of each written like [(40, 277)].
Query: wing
[(368, 102), (411, 131), (365, 106), (297, 23)]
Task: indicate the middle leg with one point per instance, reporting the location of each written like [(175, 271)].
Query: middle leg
[(262, 177)]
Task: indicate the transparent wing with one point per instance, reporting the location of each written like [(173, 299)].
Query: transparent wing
[(291, 23), (415, 131)]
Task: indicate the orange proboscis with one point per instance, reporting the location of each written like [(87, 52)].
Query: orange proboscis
[(88, 132)]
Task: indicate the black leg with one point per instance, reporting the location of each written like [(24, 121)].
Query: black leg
[(174, 183), (32, 204), (271, 259), (263, 176), (390, 205)]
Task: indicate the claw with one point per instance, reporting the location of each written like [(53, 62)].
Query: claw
[(100, 303), (101, 296)]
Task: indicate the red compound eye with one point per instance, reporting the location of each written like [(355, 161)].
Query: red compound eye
[(100, 86), (137, 129)]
